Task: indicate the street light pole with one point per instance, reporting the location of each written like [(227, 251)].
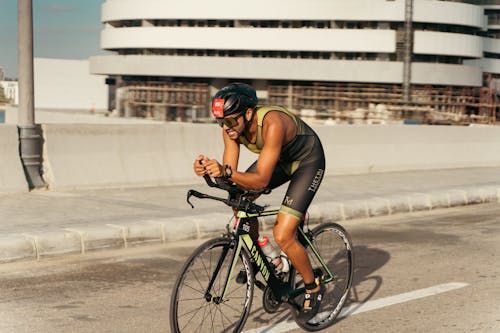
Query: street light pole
[(30, 141), (408, 42)]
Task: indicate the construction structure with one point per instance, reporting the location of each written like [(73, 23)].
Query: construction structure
[(379, 103), (358, 61), (167, 101)]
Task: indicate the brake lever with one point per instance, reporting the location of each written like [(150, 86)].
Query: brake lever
[(189, 194), (197, 194)]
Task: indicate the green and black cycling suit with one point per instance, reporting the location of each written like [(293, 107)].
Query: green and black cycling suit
[(302, 162)]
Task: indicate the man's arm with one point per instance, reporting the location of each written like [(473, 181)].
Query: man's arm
[(231, 156), (274, 138), (231, 151)]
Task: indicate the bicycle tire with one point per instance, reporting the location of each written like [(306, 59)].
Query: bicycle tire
[(335, 247), (191, 311)]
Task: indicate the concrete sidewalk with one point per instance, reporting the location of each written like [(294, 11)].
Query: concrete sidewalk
[(44, 224)]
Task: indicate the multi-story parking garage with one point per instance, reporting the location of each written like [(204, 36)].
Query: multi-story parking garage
[(319, 57)]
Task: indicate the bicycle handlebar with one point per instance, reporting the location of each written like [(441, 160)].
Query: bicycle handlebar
[(238, 197)]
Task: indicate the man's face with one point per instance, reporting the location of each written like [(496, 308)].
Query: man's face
[(233, 125)]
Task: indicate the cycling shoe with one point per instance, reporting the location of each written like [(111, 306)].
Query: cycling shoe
[(312, 302)]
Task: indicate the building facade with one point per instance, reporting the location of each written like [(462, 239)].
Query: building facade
[(325, 57), (11, 91)]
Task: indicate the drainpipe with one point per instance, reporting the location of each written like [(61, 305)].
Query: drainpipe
[(30, 140)]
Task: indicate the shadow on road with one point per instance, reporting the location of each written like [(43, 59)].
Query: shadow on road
[(365, 285)]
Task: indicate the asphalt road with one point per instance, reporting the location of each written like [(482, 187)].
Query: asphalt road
[(432, 271)]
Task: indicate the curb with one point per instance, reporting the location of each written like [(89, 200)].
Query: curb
[(88, 239)]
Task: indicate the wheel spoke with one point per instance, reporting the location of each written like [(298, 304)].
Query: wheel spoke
[(192, 317), (201, 292), (194, 311)]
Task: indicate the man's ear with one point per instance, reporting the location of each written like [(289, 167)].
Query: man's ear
[(249, 114)]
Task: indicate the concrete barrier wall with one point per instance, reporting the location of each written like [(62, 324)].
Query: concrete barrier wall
[(91, 156), (364, 149), (12, 177), (80, 156)]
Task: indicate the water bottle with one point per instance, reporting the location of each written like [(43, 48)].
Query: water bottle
[(272, 254)]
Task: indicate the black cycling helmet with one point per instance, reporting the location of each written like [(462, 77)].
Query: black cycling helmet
[(234, 98)]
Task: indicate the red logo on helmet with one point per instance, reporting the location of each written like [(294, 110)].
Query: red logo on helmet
[(218, 108)]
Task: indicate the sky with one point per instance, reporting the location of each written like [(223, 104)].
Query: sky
[(68, 29)]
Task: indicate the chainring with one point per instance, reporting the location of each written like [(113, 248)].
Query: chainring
[(269, 301)]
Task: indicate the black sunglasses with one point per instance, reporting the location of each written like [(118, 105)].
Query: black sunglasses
[(229, 122)]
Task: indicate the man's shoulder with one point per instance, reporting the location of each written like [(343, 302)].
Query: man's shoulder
[(273, 117), (270, 108), (274, 111)]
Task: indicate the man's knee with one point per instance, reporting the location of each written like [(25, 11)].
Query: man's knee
[(285, 230), (282, 239)]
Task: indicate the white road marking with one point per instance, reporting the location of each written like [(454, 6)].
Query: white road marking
[(370, 305), (45, 193)]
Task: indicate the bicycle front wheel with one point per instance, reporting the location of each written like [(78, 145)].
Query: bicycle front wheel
[(197, 304), (335, 249)]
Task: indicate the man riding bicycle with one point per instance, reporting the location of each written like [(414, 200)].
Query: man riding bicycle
[(289, 150)]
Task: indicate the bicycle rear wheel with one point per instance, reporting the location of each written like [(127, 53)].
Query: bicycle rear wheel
[(195, 308), (334, 246)]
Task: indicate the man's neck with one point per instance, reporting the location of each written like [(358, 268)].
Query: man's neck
[(251, 132)]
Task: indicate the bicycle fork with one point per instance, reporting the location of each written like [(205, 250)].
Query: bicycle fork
[(208, 296)]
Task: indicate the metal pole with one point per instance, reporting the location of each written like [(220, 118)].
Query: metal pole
[(30, 141), (25, 48), (408, 45)]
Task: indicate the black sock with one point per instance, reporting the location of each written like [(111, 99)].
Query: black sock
[(311, 286)]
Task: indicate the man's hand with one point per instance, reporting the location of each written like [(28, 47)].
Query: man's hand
[(199, 165), (213, 168)]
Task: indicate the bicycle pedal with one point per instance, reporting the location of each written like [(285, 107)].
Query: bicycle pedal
[(241, 278)]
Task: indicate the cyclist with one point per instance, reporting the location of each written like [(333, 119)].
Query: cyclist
[(289, 150)]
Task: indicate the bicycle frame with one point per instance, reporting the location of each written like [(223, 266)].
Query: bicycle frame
[(282, 290), (213, 269)]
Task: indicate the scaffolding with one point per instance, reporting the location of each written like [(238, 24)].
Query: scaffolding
[(339, 102), (347, 102), (165, 101)]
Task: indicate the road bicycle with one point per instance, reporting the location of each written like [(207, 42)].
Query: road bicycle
[(209, 295)]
